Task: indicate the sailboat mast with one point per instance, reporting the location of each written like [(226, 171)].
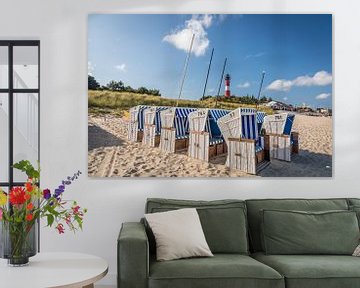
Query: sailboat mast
[(207, 75), (221, 80), (185, 69), (261, 84)]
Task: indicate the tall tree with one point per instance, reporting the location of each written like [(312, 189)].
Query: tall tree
[(116, 85), (92, 83), (143, 90)]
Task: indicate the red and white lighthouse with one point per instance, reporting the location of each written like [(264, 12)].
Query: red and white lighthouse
[(227, 85)]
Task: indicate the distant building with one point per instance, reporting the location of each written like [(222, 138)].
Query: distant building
[(277, 105), (324, 111)]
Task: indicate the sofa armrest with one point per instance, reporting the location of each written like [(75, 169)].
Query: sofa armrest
[(133, 256)]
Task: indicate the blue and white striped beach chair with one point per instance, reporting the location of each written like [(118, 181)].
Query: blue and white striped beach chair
[(205, 138), (240, 131), (282, 141), (260, 116), (174, 134), (136, 123), (152, 125)]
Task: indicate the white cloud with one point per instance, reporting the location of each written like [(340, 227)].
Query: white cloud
[(280, 85), (222, 17), (197, 25), (91, 68), (321, 78), (323, 96), (206, 20), (121, 67), (244, 85), (255, 55)]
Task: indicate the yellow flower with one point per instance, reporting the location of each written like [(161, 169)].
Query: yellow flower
[(3, 198)]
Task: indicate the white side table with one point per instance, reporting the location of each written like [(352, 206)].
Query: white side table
[(50, 270)]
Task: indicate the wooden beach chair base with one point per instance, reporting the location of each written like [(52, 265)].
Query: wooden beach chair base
[(242, 156), (157, 140), (280, 146), (181, 144), (169, 143), (200, 148), (295, 145), (217, 149), (139, 136)]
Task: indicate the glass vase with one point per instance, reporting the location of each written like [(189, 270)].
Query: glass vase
[(18, 242)]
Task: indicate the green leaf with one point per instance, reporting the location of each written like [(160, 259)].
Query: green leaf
[(26, 167), (50, 219)]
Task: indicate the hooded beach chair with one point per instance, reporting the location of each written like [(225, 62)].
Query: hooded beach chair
[(246, 150), (152, 126), (205, 139), (136, 123), (282, 141), (174, 134)]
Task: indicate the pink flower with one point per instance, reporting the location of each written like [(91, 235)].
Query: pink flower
[(68, 219), (1, 213), (60, 228), (76, 210)]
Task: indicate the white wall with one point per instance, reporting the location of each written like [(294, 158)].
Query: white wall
[(62, 28)]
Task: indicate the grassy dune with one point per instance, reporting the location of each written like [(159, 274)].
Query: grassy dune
[(118, 102)]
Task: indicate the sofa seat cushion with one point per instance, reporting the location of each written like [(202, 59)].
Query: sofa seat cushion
[(222, 270), (313, 271)]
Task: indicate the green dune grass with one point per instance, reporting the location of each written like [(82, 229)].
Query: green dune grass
[(100, 102)]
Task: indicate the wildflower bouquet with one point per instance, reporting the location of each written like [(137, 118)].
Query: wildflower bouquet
[(23, 206)]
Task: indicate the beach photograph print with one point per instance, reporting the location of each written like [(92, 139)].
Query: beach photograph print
[(210, 95)]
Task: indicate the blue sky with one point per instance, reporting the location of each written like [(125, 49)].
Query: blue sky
[(149, 50)]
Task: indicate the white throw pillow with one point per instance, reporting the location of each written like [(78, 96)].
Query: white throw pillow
[(178, 234), (357, 251)]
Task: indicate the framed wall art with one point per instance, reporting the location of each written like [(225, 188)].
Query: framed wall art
[(213, 95)]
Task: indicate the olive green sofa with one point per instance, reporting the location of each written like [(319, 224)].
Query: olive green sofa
[(233, 230)]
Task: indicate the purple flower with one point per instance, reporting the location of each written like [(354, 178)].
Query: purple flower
[(46, 194), (64, 183), (58, 192)]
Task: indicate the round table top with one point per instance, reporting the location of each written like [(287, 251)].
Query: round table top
[(59, 269)]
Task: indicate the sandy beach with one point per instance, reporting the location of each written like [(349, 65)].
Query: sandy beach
[(110, 154)]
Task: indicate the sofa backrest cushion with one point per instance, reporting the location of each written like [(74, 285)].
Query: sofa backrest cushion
[(255, 206), (356, 209), (223, 221), (353, 201), (297, 232), (354, 205)]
